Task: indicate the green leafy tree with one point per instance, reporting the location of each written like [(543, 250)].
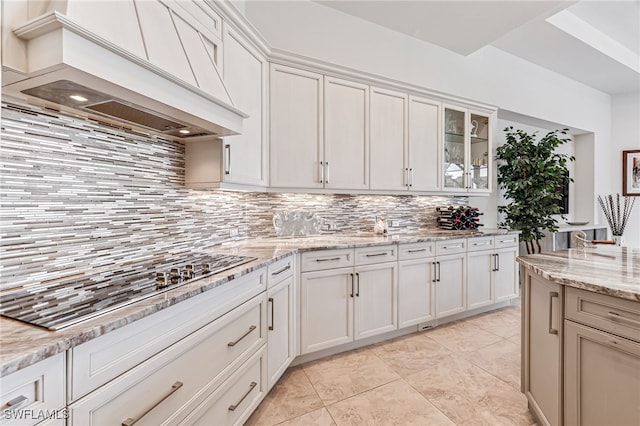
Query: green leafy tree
[(530, 173)]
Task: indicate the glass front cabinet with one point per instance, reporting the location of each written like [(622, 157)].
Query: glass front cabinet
[(467, 150)]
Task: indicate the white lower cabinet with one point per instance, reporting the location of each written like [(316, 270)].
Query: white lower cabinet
[(492, 273), (167, 387), (280, 319), (35, 393), (234, 401), (416, 289), (450, 274), (341, 305)]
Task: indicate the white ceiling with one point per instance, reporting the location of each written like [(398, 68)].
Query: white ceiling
[(594, 42)]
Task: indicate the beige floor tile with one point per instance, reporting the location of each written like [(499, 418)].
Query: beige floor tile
[(395, 403), (409, 354), (344, 375), (516, 340), (292, 396), (469, 395), (505, 322), (462, 337), (319, 417), (500, 359)]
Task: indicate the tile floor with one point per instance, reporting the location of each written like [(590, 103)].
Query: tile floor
[(463, 373)]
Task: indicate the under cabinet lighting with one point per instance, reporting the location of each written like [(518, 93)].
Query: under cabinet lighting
[(78, 98), (184, 132)]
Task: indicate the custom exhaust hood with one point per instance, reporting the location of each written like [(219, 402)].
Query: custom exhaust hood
[(137, 63)]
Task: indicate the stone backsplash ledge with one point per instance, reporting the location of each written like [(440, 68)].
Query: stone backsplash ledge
[(77, 194)]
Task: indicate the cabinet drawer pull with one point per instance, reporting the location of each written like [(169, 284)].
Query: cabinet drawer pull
[(358, 286), (270, 300), (435, 272), (279, 271), (333, 259), (617, 317), (406, 177), (410, 177), (452, 247), (326, 178), (233, 407), (174, 387), (17, 403), (376, 254), (508, 241), (482, 244), (438, 263), (321, 172), (552, 294), (416, 250), (231, 344)]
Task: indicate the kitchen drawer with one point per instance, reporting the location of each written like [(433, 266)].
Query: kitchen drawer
[(37, 388), (97, 361), (416, 251), (376, 254), (508, 240), (326, 259), (160, 389), (611, 314), (480, 243), (234, 401), (279, 271), (451, 247)]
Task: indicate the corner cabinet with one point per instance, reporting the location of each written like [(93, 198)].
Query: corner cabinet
[(240, 161), (467, 150)]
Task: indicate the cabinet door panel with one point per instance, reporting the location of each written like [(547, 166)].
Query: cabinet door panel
[(424, 144), (375, 299), (346, 134), (245, 77), (326, 309), (506, 275), (388, 136), (296, 128), (280, 330), (415, 292), (602, 376), (450, 287), (479, 267), (543, 347)]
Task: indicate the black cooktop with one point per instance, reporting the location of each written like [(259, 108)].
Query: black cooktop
[(75, 300)]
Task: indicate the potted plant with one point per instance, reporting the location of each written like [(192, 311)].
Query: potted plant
[(530, 173)]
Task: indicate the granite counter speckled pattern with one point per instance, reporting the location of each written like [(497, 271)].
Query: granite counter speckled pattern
[(614, 271), (22, 345)]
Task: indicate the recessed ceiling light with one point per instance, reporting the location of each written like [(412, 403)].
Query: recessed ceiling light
[(184, 132), (78, 98)]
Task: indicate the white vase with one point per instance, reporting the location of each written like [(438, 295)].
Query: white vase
[(619, 240)]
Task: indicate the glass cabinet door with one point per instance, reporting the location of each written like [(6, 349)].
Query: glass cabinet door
[(455, 125), (479, 152)]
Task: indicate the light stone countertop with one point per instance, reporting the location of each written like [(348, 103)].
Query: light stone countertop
[(22, 345), (610, 270)]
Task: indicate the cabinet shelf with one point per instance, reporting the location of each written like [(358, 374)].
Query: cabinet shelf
[(475, 139)]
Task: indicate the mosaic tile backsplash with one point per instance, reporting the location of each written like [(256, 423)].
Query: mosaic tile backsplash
[(78, 195)]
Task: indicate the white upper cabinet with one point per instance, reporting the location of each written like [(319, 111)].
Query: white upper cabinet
[(346, 134), (467, 147), (245, 74), (423, 154), (296, 117), (389, 121), (238, 161)]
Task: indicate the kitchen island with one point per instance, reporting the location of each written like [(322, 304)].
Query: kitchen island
[(581, 335)]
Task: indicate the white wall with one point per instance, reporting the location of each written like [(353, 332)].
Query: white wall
[(625, 135), (489, 75)]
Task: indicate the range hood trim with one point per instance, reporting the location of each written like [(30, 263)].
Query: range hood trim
[(55, 24)]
